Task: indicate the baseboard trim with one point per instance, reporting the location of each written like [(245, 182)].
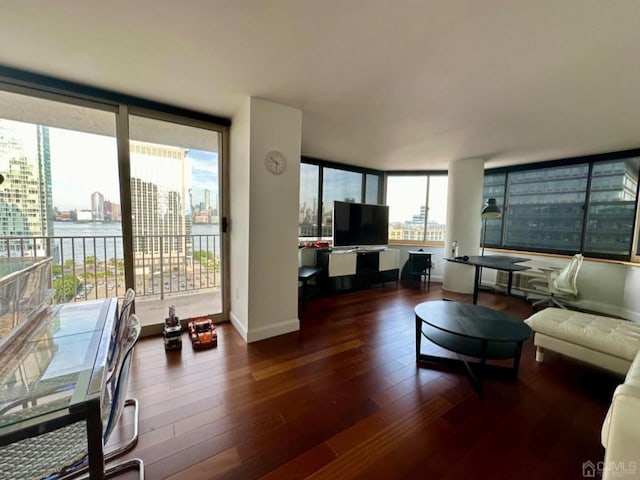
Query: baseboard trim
[(240, 328), (268, 331), (273, 330)]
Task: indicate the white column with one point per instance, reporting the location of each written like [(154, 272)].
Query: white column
[(264, 220), (464, 204)]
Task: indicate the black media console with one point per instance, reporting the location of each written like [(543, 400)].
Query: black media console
[(356, 269)]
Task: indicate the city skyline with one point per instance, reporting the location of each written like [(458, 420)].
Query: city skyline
[(72, 191)]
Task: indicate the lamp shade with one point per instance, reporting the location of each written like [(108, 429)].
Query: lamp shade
[(491, 209)]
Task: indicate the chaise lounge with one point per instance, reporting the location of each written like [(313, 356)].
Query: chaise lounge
[(605, 342), (611, 344)]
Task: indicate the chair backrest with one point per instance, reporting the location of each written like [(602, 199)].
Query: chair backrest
[(119, 329), (566, 280), (119, 391)]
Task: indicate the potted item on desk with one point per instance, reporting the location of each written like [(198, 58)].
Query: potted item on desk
[(202, 332), (172, 331)]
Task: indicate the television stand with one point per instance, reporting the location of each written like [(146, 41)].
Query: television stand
[(359, 268), (370, 249)]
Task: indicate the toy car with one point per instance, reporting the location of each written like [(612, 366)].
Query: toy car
[(172, 331), (202, 332)]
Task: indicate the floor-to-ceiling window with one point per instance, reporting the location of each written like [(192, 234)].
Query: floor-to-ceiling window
[(417, 207), (323, 183), (583, 205), (148, 216), (61, 197), (175, 215)]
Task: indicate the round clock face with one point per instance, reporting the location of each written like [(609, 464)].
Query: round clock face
[(276, 162)]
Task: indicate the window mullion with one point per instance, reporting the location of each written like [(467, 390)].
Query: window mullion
[(426, 210)]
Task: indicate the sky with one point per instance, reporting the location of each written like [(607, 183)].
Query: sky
[(83, 163), (405, 195)]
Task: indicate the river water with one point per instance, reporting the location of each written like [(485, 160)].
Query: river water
[(108, 238)]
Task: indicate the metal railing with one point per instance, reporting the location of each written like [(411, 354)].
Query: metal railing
[(90, 267)]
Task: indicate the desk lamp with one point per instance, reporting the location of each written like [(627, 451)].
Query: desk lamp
[(490, 210)]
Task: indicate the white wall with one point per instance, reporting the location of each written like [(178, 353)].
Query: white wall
[(264, 253), (606, 287), (239, 188)]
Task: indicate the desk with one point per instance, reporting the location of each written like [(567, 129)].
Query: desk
[(61, 363), (497, 262)]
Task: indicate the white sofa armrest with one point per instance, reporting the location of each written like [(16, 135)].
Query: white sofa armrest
[(620, 434)]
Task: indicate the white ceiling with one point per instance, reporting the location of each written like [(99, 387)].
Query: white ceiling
[(389, 84)]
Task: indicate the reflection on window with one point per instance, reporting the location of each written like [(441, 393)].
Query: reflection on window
[(308, 209), (612, 202), (417, 207), (371, 189), (586, 207), (494, 187), (61, 195), (546, 208), (341, 185)]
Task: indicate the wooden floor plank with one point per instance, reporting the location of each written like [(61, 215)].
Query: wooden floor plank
[(343, 398), (283, 367), (210, 468), (361, 455)]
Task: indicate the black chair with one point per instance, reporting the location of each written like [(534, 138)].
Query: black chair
[(418, 268)]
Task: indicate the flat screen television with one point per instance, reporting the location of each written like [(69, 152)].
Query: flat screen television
[(356, 224)]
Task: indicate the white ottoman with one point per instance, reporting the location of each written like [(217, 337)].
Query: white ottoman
[(608, 343)]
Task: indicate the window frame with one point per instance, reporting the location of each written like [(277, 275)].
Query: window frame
[(590, 160), (322, 164), (417, 173), (123, 105)]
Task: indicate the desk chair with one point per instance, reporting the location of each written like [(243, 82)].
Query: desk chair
[(560, 285), (419, 267), (115, 349), (62, 453)]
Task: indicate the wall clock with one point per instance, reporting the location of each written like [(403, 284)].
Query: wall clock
[(276, 162)]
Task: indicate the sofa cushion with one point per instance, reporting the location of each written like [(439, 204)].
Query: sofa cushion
[(613, 336)]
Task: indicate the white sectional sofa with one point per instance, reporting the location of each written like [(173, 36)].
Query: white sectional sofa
[(612, 344), (621, 429)]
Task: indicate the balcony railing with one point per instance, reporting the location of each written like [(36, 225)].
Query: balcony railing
[(90, 267)]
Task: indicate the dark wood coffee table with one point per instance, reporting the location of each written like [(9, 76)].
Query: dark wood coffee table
[(470, 331)]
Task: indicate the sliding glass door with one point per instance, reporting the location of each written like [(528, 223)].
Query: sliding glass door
[(118, 197), (60, 196), (176, 217)]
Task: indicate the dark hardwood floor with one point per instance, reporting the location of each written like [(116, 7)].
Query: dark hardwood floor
[(343, 398)]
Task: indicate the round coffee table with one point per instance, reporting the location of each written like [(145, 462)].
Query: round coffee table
[(470, 331)]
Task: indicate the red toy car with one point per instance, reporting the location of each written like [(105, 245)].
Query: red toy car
[(202, 332)]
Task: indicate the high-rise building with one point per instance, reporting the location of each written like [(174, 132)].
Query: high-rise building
[(549, 207), (97, 206), (111, 211), (161, 226), (26, 207)]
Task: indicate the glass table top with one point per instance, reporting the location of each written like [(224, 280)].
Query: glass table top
[(54, 363)]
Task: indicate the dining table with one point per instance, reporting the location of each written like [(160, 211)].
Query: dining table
[(54, 373)]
